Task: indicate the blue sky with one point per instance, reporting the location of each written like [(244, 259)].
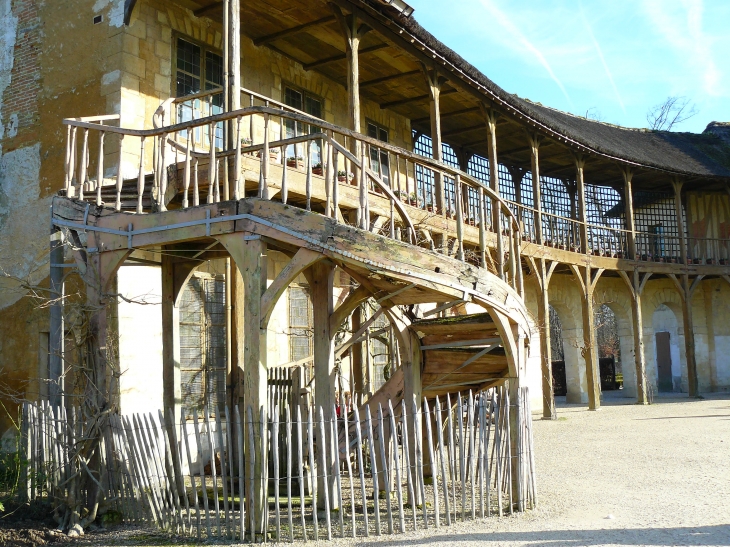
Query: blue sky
[(616, 58)]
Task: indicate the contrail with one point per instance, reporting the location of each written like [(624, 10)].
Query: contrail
[(603, 60), (504, 21)]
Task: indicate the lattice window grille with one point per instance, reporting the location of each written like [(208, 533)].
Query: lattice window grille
[(655, 220), (202, 323), (506, 184), (603, 231), (449, 156), (300, 323), (478, 167)]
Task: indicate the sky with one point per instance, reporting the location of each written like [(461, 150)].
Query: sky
[(611, 60)]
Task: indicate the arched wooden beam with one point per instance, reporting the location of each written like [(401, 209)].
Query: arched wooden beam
[(301, 261), (343, 311), (181, 274)]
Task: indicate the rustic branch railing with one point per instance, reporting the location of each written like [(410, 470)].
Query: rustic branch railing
[(337, 155), (195, 478)]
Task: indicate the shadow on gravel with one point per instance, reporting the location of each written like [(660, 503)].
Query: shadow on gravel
[(701, 535)]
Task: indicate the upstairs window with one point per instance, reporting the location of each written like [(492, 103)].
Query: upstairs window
[(312, 105), (199, 69), (378, 157)]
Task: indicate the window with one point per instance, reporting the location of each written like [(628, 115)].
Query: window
[(312, 105), (300, 324), (380, 344), (379, 158), (199, 69), (203, 344)]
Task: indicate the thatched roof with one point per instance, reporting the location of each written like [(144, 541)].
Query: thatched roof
[(705, 154)]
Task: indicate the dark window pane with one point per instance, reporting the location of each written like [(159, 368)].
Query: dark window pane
[(188, 57), (213, 70), (383, 135), (372, 131), (293, 98), (186, 84), (313, 107)]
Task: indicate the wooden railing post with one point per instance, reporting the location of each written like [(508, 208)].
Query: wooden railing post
[(459, 217), (580, 183), (629, 211)]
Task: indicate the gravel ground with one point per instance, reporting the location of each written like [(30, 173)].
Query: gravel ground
[(626, 475)]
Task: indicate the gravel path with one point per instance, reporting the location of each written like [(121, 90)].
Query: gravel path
[(626, 475)]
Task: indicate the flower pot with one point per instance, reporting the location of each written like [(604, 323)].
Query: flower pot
[(297, 164), (318, 171)]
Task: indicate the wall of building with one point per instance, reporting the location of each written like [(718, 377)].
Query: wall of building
[(53, 61)]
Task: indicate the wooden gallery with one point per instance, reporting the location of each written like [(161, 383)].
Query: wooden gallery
[(309, 270)]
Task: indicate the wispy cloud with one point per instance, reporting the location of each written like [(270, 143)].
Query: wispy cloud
[(682, 30), (522, 44), (600, 56)]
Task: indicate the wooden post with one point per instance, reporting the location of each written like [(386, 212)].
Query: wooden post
[(412, 388), (249, 254), (681, 231), (590, 351), (630, 221), (171, 395), (579, 165), (321, 278), (435, 81), (490, 118), (536, 190), (638, 325), (689, 337), (56, 336), (543, 317), (687, 319)]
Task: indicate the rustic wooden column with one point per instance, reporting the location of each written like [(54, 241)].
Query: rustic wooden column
[(536, 190), (249, 253), (580, 186), (171, 391), (358, 384), (630, 220), (544, 273), (321, 282), (490, 118), (689, 337), (588, 277), (434, 82), (687, 319), (234, 56), (642, 397), (353, 30), (56, 335), (681, 230)]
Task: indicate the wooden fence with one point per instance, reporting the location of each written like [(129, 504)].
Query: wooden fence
[(386, 470)]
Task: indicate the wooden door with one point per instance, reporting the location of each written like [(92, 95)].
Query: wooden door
[(664, 363)]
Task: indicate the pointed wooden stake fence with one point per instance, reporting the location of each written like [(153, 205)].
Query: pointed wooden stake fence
[(191, 480)]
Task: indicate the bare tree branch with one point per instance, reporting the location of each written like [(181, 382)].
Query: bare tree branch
[(673, 111)]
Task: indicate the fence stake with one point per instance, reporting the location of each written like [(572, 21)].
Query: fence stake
[(440, 440), (335, 439), (386, 470), (312, 470), (472, 453), (373, 468), (361, 465), (396, 464), (211, 447), (452, 450), (241, 478), (201, 465), (324, 474), (434, 474), (407, 462), (251, 478), (346, 421), (275, 454), (300, 463), (289, 471), (192, 478), (224, 477)]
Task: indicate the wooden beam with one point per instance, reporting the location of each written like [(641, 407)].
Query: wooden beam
[(445, 115), (419, 98), (205, 10), (342, 56), (389, 78), (293, 30), (463, 130), (301, 261)]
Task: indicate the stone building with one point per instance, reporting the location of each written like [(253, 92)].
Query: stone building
[(377, 185)]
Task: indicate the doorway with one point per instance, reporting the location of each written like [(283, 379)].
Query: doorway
[(664, 363)]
